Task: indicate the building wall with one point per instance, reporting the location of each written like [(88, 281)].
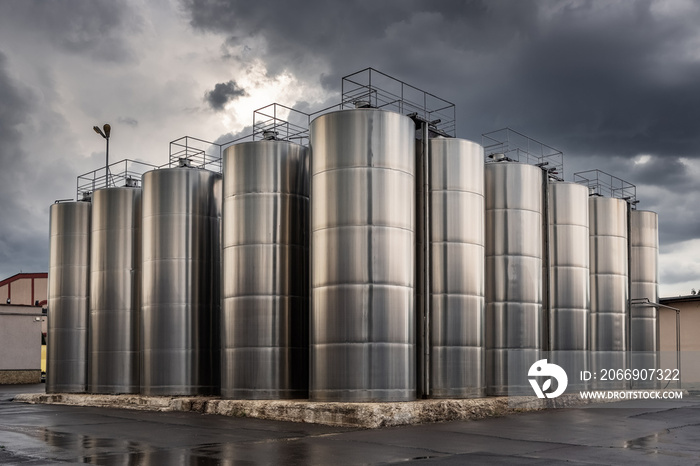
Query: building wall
[(20, 344), (690, 343), (24, 288)]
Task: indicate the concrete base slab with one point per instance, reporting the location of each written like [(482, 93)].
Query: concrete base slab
[(366, 415), (20, 377)]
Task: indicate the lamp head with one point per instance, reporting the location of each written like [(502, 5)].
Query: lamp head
[(107, 129), (99, 131)]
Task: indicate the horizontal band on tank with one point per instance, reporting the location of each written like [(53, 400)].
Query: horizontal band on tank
[(470, 295), (284, 347), (362, 285), (274, 194), (651, 249), (510, 254), (189, 217), (364, 225), (124, 230), (512, 209), (593, 236), (271, 244), (570, 267), (641, 283), (362, 167), (472, 243), (369, 344), (259, 295), (515, 303), (476, 193), (181, 260), (559, 224)]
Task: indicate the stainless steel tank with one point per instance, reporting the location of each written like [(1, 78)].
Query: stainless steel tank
[(68, 297), (456, 269), (180, 303), (514, 206), (609, 287), (115, 281), (362, 257), (644, 273), (569, 277), (265, 292)]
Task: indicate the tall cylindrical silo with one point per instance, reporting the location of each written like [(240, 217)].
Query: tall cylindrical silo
[(609, 287), (265, 293), (362, 257), (644, 279), (180, 306), (514, 320), (569, 277), (68, 297), (115, 281), (456, 269)]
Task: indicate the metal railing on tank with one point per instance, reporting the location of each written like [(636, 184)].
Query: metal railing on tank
[(604, 184), (372, 88), (193, 152), (125, 172), (281, 122), (509, 145)]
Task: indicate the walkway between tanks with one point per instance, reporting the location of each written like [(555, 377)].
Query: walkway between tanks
[(56, 434)]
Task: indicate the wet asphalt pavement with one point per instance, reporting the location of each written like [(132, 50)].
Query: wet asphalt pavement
[(52, 434)]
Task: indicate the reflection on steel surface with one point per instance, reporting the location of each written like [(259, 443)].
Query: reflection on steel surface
[(115, 280), (180, 286), (513, 271), (457, 269), (68, 296), (362, 250), (265, 293)]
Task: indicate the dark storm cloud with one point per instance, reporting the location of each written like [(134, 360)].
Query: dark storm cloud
[(604, 78), (224, 93), (17, 242), (93, 27), (602, 81)]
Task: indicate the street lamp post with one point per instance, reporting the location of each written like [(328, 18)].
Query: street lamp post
[(105, 134)]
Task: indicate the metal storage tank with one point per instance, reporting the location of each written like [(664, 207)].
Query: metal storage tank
[(644, 273), (609, 287), (180, 306), (514, 320), (115, 281), (569, 288), (457, 269), (362, 257), (68, 297), (265, 292)]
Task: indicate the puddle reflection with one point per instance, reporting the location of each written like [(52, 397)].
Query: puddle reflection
[(108, 451)]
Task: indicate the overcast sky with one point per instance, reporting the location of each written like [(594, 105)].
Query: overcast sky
[(615, 85)]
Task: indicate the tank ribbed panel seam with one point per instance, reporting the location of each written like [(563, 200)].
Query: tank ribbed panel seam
[(511, 209), (364, 167), (510, 254), (466, 191), (363, 225)]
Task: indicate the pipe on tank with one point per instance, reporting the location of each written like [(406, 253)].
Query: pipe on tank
[(425, 134)]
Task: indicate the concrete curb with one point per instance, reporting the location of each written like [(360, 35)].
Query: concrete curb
[(365, 415)]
